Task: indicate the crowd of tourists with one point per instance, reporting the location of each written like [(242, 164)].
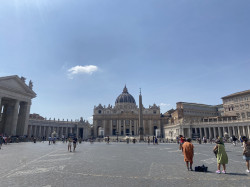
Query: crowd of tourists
[(219, 150)]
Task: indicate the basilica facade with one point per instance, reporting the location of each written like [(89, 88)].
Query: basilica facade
[(123, 118)]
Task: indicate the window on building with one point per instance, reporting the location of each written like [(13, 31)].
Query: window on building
[(99, 111), (248, 114), (243, 115)]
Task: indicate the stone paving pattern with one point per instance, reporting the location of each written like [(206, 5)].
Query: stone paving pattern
[(115, 164)]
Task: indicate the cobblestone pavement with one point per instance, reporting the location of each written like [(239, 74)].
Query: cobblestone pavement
[(115, 164)]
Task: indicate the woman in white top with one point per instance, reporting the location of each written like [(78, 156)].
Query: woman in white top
[(69, 144)]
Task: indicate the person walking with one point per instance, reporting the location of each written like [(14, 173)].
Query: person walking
[(182, 140), (221, 155), (69, 144), (246, 152), (188, 152), (74, 143), (148, 140)]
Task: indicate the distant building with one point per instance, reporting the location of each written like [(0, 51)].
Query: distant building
[(237, 104), (198, 120), (123, 118)]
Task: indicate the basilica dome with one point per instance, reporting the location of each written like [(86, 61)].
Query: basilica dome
[(125, 97)]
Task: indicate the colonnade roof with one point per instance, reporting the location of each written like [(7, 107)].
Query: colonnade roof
[(16, 85), (237, 94)]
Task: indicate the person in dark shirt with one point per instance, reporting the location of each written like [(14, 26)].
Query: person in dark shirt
[(74, 143)]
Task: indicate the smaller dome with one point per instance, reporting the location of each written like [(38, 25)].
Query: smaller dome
[(125, 97)]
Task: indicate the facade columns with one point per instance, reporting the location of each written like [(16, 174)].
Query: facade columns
[(111, 128), (124, 127), (35, 130), (205, 129), (219, 130), (15, 118), (210, 133), (26, 118), (244, 132), (248, 129), (130, 127), (239, 132), (0, 106), (104, 127), (200, 133), (150, 128), (67, 132), (39, 131), (215, 134), (44, 131), (190, 132), (233, 131)]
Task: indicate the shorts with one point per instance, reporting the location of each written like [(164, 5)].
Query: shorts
[(246, 158)]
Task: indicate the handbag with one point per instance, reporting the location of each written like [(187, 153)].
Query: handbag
[(215, 151), (201, 168)]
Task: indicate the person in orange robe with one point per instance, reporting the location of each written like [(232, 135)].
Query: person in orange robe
[(188, 152)]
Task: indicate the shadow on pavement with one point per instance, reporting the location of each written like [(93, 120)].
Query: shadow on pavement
[(239, 174)]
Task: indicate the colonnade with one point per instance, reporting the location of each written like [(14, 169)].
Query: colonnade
[(214, 131), (14, 116), (46, 131)]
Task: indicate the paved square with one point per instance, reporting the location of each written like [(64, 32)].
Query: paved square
[(116, 164)]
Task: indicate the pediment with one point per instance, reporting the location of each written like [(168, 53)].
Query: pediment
[(15, 84)]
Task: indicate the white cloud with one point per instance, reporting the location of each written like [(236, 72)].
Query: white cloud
[(89, 69), (164, 104)]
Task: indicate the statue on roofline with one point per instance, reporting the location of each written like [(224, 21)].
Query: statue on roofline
[(31, 85)]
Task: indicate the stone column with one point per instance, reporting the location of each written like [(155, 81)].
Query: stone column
[(67, 132), (205, 130), (34, 130), (200, 133), (229, 131), (210, 132), (0, 106), (239, 134), (44, 131), (224, 130), (111, 128), (137, 127), (104, 127), (130, 127), (248, 129), (233, 131), (244, 132), (77, 132), (39, 131), (124, 127), (150, 127), (190, 132), (215, 134), (117, 126), (25, 118), (219, 130), (14, 117)]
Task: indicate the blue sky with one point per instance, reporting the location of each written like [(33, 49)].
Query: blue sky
[(81, 53)]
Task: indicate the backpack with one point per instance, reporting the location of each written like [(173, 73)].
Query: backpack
[(246, 151)]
